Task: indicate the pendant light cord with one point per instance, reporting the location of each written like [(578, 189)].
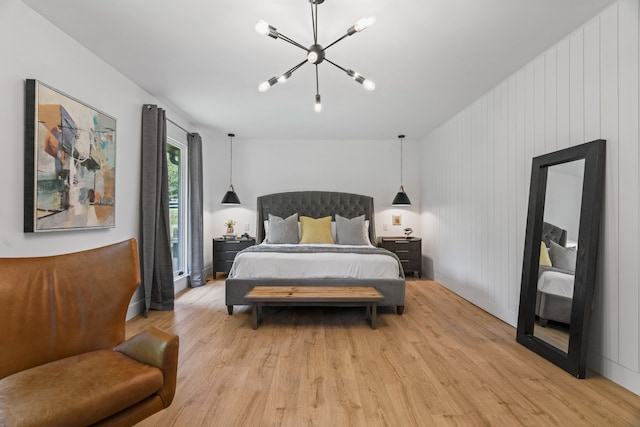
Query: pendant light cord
[(401, 138), (230, 161)]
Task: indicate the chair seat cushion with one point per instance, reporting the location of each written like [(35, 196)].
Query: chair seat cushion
[(79, 390)]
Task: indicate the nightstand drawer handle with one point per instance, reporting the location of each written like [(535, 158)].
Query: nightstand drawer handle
[(404, 260), (402, 252), (402, 241)]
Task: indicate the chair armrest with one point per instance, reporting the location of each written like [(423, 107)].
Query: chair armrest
[(156, 348)]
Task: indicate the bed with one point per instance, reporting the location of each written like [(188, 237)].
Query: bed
[(314, 204), (554, 297)]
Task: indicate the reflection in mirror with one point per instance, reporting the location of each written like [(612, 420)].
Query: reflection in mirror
[(558, 249), (560, 253)]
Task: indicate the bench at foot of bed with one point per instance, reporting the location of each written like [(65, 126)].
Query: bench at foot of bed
[(399, 309)]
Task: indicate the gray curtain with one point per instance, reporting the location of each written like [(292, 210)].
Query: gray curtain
[(155, 257), (196, 273)]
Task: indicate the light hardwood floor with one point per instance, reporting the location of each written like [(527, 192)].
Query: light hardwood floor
[(443, 362)]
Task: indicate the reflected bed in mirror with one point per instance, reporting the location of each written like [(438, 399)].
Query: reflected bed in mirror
[(560, 254)]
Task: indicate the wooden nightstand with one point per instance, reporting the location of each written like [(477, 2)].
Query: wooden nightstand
[(408, 250), (225, 250)]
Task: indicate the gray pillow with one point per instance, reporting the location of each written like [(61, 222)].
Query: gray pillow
[(562, 257), (351, 231), (283, 230)]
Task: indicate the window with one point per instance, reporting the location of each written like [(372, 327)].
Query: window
[(177, 169)]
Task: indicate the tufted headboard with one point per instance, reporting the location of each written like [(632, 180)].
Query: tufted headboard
[(551, 232), (315, 204)]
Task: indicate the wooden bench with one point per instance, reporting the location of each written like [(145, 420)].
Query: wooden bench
[(314, 295)]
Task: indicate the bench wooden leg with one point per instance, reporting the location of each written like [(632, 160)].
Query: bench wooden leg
[(374, 309), (254, 315)]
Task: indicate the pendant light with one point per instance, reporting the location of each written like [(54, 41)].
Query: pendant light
[(230, 197), (401, 198)]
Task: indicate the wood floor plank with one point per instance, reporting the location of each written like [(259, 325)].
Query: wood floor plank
[(444, 362)]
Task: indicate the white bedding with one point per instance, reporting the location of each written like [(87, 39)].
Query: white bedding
[(556, 283), (254, 265)]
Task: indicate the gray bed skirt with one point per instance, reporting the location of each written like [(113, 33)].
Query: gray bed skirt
[(392, 289)]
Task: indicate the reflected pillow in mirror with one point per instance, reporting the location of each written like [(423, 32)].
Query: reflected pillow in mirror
[(283, 231), (544, 255), (562, 257)]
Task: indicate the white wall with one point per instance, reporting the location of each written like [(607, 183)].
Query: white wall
[(476, 171), (271, 166), (31, 47)]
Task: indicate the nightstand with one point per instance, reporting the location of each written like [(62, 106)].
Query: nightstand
[(225, 250), (409, 251)]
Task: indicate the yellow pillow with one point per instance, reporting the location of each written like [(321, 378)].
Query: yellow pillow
[(315, 230), (544, 255)]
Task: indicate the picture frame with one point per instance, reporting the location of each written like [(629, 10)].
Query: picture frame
[(396, 219), (69, 162)]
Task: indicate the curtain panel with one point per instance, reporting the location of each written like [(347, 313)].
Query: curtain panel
[(196, 238), (155, 258)]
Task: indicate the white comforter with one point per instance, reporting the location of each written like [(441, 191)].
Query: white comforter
[(253, 265), (556, 283)]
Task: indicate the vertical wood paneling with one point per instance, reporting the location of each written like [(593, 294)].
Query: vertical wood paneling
[(539, 90), (586, 87), (512, 189), (551, 100), (592, 80), (628, 184), (576, 87), (563, 106), (608, 267)]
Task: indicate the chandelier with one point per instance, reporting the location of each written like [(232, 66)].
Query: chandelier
[(315, 54)]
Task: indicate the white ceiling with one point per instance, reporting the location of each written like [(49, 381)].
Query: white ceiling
[(428, 58)]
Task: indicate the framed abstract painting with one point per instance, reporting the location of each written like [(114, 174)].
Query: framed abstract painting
[(69, 162)]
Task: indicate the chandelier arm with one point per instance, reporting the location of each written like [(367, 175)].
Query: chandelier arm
[(341, 38), (293, 42), (295, 67), (336, 65), (317, 83)]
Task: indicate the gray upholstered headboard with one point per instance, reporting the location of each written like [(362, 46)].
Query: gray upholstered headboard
[(551, 232), (315, 204)]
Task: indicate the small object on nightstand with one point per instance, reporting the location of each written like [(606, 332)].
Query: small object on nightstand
[(225, 250), (408, 231), (409, 251)]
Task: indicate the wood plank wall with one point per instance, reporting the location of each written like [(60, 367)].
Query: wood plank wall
[(476, 173)]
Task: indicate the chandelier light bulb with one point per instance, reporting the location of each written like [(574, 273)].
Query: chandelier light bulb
[(364, 23), (262, 27), (264, 86), (369, 85), (312, 57), (318, 106)]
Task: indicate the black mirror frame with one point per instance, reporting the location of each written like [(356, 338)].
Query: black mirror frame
[(574, 360)]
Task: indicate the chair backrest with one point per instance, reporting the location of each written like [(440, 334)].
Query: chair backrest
[(58, 306)]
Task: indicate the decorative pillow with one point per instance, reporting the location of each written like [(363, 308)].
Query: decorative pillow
[(544, 255), (562, 257), (351, 231), (315, 230), (283, 231)]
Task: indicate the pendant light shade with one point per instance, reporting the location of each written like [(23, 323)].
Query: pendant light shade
[(230, 197), (401, 198)]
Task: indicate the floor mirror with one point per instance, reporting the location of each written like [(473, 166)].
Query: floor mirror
[(560, 254)]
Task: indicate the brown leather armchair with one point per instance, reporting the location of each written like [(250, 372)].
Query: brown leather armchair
[(63, 358)]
